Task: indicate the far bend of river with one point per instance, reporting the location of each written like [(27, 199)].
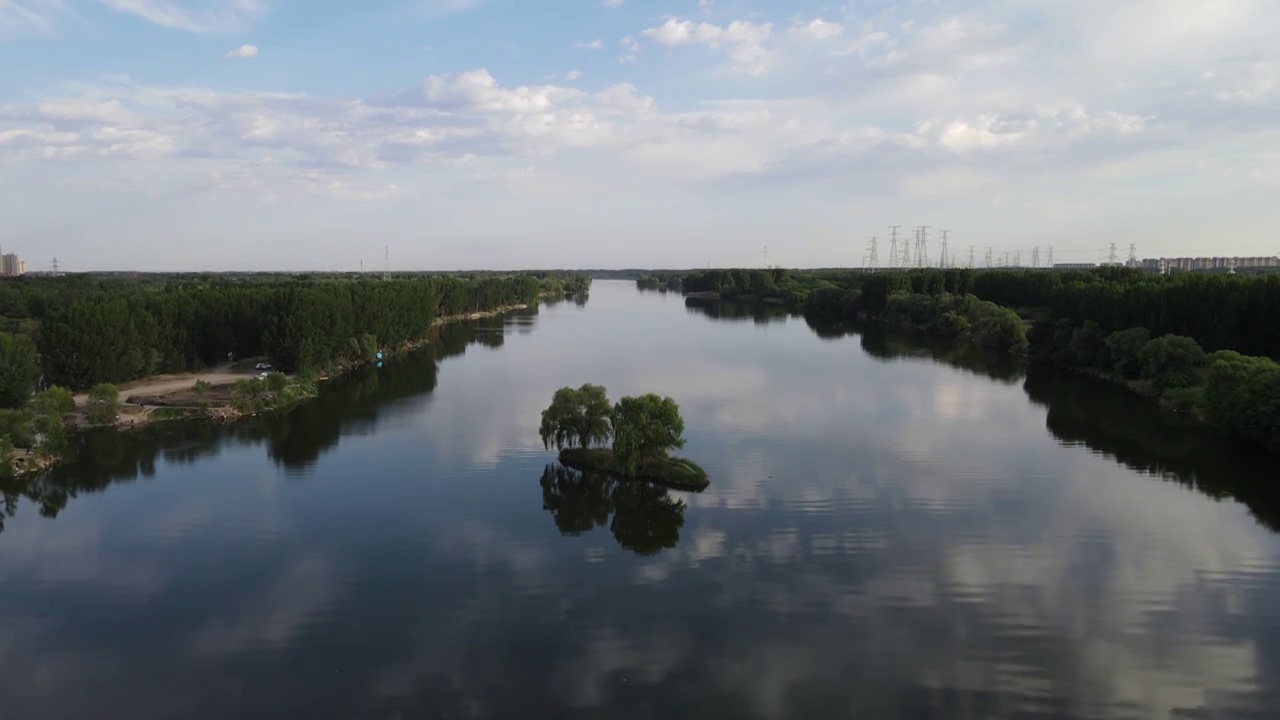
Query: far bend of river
[(896, 528)]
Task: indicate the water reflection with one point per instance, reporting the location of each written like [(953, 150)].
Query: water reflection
[(1141, 436), (643, 517), (295, 440), (757, 312), (885, 537)]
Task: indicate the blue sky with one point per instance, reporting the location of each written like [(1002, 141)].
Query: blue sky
[(282, 134)]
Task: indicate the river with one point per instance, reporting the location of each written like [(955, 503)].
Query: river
[(896, 528)]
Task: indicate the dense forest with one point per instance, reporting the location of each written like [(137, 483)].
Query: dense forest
[(1204, 344), (80, 331)]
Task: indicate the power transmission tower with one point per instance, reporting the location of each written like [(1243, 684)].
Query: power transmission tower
[(906, 252), (1035, 257), (1049, 262), (55, 267), (1017, 259), (766, 257), (1111, 259), (988, 258), (922, 254), (945, 233), (970, 256), (893, 244), (386, 262), (874, 254), (1006, 258), (1133, 254)]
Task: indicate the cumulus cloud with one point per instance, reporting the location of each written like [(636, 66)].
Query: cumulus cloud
[(591, 45), (244, 52), (573, 75), (201, 16), (742, 40)]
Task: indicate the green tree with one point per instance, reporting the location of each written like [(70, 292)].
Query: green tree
[(644, 427), (6, 457), (1171, 361), (1124, 348), (576, 418), (104, 404), (19, 370), (1088, 345)]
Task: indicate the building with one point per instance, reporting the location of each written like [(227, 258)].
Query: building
[(11, 266), (1208, 264)]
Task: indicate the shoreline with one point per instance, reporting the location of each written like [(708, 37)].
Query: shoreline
[(135, 416)]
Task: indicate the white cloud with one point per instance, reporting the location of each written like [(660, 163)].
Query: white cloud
[(592, 45), (817, 29), (612, 3), (877, 108), (25, 17), (244, 51), (201, 16), (742, 40)]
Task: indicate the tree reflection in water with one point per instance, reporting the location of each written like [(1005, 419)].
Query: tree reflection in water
[(643, 517)]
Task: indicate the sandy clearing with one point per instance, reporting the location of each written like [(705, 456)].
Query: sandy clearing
[(163, 384)]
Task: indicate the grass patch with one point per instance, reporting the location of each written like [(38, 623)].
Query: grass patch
[(675, 473), (172, 413)]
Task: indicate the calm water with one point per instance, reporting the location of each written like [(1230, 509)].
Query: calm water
[(895, 529)]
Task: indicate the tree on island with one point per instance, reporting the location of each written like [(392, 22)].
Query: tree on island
[(577, 418), (645, 427), (644, 430)]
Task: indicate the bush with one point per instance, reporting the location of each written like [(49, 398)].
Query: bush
[(1088, 348), (277, 381), (104, 404), (54, 401), (1172, 361), (1184, 399), (1125, 347), (1242, 397)]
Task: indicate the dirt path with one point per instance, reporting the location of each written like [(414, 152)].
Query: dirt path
[(163, 384)]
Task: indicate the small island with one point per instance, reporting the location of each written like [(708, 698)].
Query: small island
[(630, 440)]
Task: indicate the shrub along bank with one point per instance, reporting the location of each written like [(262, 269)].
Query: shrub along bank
[(1237, 394)]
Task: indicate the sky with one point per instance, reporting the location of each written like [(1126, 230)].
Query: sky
[(507, 134)]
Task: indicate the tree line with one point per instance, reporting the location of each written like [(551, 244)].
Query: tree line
[(78, 332)]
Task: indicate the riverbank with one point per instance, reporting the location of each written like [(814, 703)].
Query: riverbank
[(171, 397), (674, 473)]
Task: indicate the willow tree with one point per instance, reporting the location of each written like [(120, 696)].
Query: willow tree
[(648, 426), (577, 418)]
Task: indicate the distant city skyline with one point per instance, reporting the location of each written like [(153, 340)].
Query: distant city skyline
[(188, 135)]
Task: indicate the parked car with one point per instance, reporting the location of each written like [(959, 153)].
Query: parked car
[(263, 366)]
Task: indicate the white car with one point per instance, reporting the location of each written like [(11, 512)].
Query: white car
[(263, 366)]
